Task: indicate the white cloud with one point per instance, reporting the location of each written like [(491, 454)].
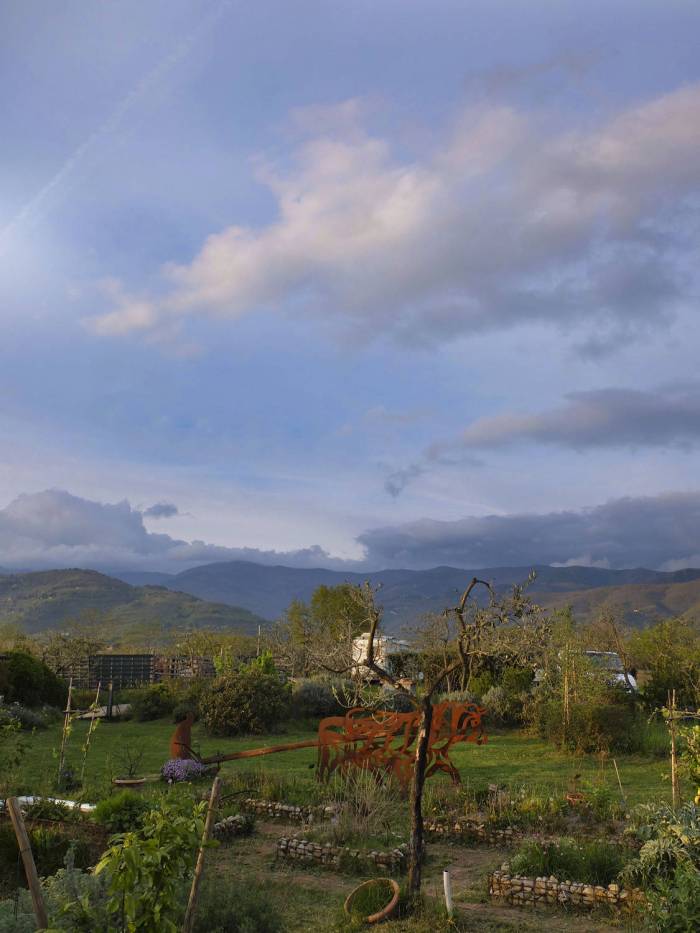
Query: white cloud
[(503, 222)]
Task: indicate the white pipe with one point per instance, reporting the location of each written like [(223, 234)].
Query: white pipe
[(71, 804), (447, 884)]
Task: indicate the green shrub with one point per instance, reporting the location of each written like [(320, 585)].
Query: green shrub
[(236, 908), (122, 812), (44, 808), (49, 847), (594, 726), (28, 719), (153, 703), (148, 870), (248, 701), (481, 684), (314, 700), (28, 681)]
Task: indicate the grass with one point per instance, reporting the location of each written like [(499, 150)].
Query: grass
[(508, 758)]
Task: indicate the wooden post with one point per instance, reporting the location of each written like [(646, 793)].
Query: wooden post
[(188, 924), (110, 700), (25, 851)]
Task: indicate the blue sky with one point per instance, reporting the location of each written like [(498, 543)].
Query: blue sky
[(407, 282)]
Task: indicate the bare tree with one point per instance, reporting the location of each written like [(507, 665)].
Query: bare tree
[(468, 626)]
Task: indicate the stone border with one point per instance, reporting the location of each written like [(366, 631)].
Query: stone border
[(522, 892), (341, 858), (274, 810), (466, 830)]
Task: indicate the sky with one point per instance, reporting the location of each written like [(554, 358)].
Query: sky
[(383, 284)]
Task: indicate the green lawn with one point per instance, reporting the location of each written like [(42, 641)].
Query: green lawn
[(507, 758)]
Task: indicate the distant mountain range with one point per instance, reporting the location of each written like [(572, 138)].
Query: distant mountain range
[(640, 595), (145, 608), (138, 614)]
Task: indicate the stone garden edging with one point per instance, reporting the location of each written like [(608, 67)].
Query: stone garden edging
[(471, 831), (341, 858), (522, 892), (274, 810)]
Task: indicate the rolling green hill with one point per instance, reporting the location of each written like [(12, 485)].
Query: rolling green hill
[(52, 599)]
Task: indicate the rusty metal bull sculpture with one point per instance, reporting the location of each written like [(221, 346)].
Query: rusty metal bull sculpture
[(384, 742)]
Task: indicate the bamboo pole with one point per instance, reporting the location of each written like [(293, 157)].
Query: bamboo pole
[(188, 924), (28, 859), (675, 790), (66, 724), (90, 731)]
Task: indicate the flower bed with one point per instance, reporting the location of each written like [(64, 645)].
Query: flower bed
[(521, 891), (341, 858)]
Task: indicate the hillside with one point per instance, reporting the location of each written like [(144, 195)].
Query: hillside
[(636, 604), (408, 594), (51, 599)]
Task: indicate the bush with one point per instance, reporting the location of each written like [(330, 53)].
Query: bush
[(153, 703), (481, 683), (29, 681), (122, 812), (27, 718), (43, 808), (236, 908), (248, 701), (396, 701), (605, 725), (314, 700), (49, 847)]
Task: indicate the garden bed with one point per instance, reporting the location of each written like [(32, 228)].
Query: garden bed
[(521, 891), (342, 858)]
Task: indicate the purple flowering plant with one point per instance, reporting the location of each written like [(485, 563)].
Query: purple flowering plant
[(182, 769)]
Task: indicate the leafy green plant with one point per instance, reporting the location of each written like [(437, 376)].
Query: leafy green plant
[(43, 808), (674, 903), (122, 812), (148, 869), (669, 839)]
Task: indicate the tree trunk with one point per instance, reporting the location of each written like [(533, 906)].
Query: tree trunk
[(417, 848)]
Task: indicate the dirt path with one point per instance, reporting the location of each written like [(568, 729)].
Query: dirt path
[(318, 891)]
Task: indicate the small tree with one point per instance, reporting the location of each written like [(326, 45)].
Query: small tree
[(468, 635)]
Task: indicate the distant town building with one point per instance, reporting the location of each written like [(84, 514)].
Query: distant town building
[(136, 670)]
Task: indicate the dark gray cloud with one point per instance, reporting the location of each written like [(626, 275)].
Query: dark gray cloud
[(396, 482), (611, 417), (57, 529), (649, 532), (161, 510)]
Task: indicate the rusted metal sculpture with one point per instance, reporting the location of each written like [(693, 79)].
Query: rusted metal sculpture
[(384, 742), (381, 741)]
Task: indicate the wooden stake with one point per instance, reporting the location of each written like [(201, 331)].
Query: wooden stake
[(28, 859), (188, 924)]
